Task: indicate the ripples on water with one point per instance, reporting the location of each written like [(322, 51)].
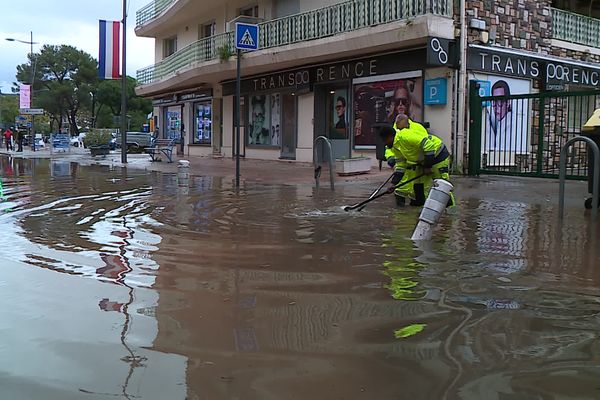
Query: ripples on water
[(130, 286)]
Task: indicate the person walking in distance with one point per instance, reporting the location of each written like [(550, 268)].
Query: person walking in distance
[(8, 135)]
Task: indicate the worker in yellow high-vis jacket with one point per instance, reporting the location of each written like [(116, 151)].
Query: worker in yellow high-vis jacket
[(412, 151)]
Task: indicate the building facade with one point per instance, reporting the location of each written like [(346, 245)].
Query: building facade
[(335, 69), (323, 68)]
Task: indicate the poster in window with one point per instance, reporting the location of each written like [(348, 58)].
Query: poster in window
[(339, 118), (260, 121), (275, 120), (381, 102), (173, 115), (203, 123), (506, 122)]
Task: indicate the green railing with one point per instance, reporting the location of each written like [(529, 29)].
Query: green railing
[(206, 49), (575, 28), (316, 24), (151, 10)]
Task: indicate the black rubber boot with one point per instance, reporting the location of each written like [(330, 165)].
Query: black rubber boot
[(419, 195), (400, 201)]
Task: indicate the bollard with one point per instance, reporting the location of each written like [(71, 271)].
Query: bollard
[(436, 203), (183, 172)]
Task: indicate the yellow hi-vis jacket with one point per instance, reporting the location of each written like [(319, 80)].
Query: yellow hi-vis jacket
[(414, 146), (413, 125)]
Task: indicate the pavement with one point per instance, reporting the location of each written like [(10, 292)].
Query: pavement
[(542, 192), (274, 172)]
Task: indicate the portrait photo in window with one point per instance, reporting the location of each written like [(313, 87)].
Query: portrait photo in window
[(259, 128)]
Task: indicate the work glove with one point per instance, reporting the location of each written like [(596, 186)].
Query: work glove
[(397, 177), (391, 162)]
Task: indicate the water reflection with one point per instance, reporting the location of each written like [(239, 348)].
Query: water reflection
[(130, 285), (68, 221)]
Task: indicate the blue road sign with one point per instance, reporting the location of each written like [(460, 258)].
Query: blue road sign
[(246, 36), (436, 91)]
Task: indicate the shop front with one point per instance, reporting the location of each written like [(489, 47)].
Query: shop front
[(179, 111), (283, 112), (546, 100)]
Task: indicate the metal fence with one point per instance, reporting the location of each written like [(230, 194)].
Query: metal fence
[(524, 134), (151, 10), (206, 49), (345, 17), (315, 24), (576, 28)]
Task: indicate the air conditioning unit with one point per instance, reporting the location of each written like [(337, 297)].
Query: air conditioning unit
[(475, 23)]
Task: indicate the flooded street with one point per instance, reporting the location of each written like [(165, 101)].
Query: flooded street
[(122, 284)]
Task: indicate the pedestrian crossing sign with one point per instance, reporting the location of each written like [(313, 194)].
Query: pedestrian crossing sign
[(246, 36)]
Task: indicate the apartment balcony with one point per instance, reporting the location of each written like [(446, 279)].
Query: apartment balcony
[(151, 11), (348, 28), (575, 28)]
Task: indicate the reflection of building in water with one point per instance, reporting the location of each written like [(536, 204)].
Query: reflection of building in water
[(277, 304), (517, 237)]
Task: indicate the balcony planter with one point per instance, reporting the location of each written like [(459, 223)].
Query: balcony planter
[(352, 166), (99, 150), (225, 52), (97, 142)]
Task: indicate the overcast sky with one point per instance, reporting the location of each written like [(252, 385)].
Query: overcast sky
[(72, 22)]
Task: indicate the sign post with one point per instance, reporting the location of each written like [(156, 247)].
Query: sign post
[(246, 38)]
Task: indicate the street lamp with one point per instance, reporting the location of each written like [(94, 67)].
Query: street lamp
[(31, 43)]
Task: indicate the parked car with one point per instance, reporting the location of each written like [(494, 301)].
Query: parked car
[(136, 141), (113, 142), (77, 141)]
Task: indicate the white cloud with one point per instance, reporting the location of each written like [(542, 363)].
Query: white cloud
[(71, 22)]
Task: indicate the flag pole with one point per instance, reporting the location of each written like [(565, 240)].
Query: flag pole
[(124, 89)]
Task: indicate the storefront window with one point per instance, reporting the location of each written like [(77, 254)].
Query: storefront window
[(173, 120), (382, 101), (338, 120), (260, 127), (203, 123), (275, 119)]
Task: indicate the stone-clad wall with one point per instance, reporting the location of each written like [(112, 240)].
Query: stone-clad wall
[(520, 24), (574, 55)]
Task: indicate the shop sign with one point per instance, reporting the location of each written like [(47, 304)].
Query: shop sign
[(202, 95), (441, 52), (554, 74), (164, 101), (335, 72), (436, 91)]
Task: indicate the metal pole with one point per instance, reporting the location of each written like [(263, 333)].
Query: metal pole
[(461, 113), (32, 130), (124, 89), (563, 172), (237, 120)]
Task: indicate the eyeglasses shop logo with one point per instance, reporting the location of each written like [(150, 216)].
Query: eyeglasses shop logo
[(533, 68)]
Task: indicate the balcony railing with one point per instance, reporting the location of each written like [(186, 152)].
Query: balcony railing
[(203, 50), (151, 11), (575, 28), (316, 24)]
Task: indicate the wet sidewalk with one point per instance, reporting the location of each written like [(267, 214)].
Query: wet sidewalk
[(283, 172), (273, 172)]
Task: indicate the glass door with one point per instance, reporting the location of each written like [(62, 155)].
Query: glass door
[(287, 126), (338, 126)]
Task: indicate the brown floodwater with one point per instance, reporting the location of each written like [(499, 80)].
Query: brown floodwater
[(125, 284)]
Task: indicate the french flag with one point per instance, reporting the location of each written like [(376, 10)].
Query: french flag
[(109, 49)]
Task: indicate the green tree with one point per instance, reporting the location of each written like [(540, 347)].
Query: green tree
[(9, 109), (109, 97), (64, 79)]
